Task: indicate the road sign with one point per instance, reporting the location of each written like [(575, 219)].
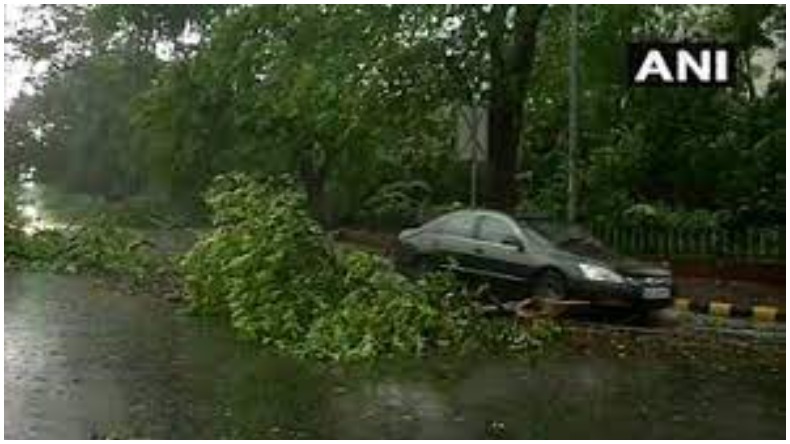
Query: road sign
[(472, 142)]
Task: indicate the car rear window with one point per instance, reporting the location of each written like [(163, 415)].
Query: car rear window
[(461, 224), (493, 229)]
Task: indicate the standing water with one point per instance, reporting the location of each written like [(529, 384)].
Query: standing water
[(84, 361), (31, 207)]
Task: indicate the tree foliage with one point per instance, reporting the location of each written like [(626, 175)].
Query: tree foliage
[(96, 248), (352, 99), (681, 149)]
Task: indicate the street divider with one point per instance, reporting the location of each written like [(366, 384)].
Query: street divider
[(757, 313)]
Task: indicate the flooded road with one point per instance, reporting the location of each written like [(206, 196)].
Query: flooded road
[(83, 361)]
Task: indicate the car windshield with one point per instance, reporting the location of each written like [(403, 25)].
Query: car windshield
[(570, 237)]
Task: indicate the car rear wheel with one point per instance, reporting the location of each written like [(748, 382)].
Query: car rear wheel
[(545, 298)]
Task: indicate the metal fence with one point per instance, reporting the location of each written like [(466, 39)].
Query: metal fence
[(752, 244)]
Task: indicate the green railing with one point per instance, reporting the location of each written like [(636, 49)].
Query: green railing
[(751, 244)]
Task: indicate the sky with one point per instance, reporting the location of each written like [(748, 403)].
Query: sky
[(14, 70)]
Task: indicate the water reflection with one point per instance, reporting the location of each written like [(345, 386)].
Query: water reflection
[(31, 208)]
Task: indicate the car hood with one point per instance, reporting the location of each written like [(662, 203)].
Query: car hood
[(631, 267)]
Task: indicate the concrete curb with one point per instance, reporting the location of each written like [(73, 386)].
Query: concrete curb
[(758, 313)]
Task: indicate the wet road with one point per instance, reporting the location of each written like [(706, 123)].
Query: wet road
[(82, 361)]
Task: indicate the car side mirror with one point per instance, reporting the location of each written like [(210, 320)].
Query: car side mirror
[(514, 242)]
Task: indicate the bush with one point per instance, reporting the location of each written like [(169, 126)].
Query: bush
[(149, 212), (137, 211), (268, 267), (96, 247), (396, 205), (441, 209)]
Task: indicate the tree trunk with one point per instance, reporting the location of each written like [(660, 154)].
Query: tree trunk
[(504, 128), (512, 55), (313, 172)]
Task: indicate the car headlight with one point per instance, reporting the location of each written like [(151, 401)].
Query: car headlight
[(601, 274)]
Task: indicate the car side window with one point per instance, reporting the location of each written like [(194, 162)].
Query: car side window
[(495, 230), (534, 240), (458, 225)]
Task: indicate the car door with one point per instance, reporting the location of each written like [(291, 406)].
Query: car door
[(452, 243), (501, 249)]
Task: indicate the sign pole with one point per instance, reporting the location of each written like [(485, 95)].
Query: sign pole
[(573, 113), (473, 191)]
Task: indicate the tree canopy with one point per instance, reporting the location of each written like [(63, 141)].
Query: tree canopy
[(351, 99)]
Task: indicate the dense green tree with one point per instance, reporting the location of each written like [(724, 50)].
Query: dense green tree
[(76, 126), (351, 98), (682, 148), (324, 92)]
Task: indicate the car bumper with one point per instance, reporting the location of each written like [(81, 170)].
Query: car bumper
[(624, 294)]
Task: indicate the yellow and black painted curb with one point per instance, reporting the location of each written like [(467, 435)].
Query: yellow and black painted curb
[(758, 313)]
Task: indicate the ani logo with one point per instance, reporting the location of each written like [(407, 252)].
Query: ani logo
[(681, 64)]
